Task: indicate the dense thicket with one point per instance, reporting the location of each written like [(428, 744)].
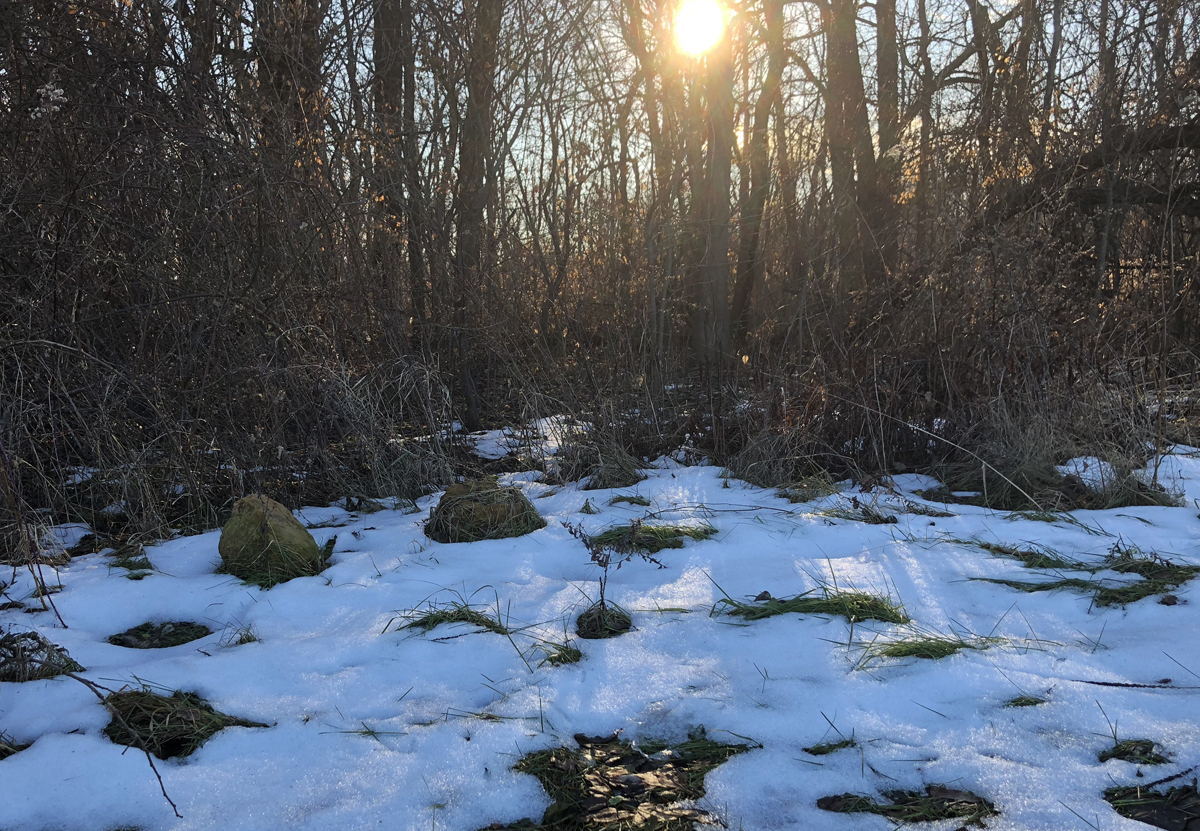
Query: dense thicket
[(249, 241)]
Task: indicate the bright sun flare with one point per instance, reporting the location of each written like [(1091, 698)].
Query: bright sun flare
[(698, 25)]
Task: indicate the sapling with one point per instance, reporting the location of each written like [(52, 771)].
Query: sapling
[(602, 620)]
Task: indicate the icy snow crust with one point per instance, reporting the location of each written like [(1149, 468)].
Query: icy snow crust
[(325, 668)]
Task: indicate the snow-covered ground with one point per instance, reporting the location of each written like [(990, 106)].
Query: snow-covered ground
[(452, 710)]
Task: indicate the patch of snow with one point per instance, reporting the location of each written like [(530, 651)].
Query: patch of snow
[(1097, 474), (453, 709)]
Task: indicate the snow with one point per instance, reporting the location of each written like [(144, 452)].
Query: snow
[(331, 662)]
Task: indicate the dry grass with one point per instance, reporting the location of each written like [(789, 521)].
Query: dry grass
[(27, 656), (602, 620), (937, 802), (167, 726), (482, 510), (151, 635), (610, 785)]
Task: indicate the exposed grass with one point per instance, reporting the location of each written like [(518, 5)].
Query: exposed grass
[(609, 784), (650, 538), (1137, 751), (9, 746), (283, 565), (929, 646), (168, 726), (238, 634), (852, 605), (457, 613), (1026, 701), (27, 656), (938, 802), (859, 512), (614, 468), (160, 635), (1035, 556), (560, 654), (1157, 575), (482, 510), (603, 620), (917, 508), (588, 508), (634, 499), (131, 557), (825, 748), (809, 488), (1176, 808)]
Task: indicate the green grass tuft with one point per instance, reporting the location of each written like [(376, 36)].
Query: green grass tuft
[(1136, 751), (1026, 701), (650, 538), (630, 500), (1036, 556), (929, 646), (603, 620), (825, 748), (852, 605), (560, 654), (588, 508), (456, 613)]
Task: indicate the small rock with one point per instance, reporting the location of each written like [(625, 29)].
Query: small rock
[(762, 597), (1169, 600)]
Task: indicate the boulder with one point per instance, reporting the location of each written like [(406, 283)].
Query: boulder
[(264, 544), (482, 510)]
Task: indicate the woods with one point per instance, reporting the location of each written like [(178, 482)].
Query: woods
[(278, 240)]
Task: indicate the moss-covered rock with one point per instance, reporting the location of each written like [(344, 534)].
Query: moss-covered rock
[(264, 544), (482, 510)]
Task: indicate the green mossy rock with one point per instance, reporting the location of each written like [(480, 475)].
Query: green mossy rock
[(264, 544), (482, 510)]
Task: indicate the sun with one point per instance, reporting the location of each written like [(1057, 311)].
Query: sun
[(698, 25)]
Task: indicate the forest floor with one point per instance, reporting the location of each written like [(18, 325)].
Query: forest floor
[(992, 702)]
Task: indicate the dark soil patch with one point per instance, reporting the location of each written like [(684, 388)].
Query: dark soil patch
[(1176, 809), (168, 726), (936, 803), (160, 635), (609, 784)]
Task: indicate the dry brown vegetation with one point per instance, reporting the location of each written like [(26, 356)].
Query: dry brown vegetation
[(265, 247)]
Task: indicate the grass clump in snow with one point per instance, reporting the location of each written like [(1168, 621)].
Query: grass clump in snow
[(160, 635), (27, 656), (560, 654), (1136, 751), (852, 605), (133, 559), (238, 634), (9, 746), (650, 539), (603, 620), (456, 613), (825, 748), (630, 499), (1175, 808), (1036, 556), (808, 488), (929, 646), (1026, 701), (609, 784), (482, 510), (1156, 576), (588, 508), (859, 512), (937, 802), (167, 726)]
